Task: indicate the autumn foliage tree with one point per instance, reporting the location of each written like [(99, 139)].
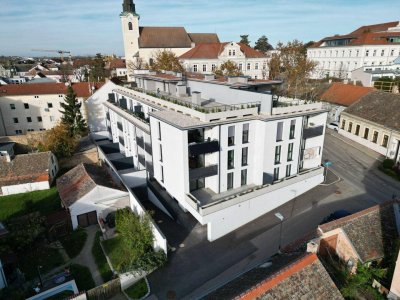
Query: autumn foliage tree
[(228, 68), (59, 141), (166, 61)]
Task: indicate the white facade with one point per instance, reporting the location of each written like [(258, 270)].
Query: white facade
[(369, 74), (226, 164)]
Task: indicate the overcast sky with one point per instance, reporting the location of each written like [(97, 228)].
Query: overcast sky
[(92, 26)]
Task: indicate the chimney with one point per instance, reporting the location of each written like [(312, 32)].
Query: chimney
[(181, 90), (209, 77), (196, 98)]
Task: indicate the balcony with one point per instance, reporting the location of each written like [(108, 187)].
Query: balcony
[(142, 160), (311, 132), (207, 146), (203, 172)]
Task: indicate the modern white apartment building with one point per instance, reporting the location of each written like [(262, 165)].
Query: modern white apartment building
[(206, 58), (36, 107), (372, 45), (222, 148)]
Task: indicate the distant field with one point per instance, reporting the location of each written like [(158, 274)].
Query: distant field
[(18, 205)]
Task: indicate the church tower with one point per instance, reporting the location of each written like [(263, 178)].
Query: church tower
[(130, 32)]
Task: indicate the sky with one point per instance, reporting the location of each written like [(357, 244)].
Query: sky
[(87, 27)]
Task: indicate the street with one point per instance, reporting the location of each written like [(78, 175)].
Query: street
[(198, 266)]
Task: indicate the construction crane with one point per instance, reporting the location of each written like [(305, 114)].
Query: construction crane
[(61, 52)]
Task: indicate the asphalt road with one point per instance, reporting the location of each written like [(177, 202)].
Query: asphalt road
[(198, 266)]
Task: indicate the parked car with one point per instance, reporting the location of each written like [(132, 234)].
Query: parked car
[(335, 216), (333, 125)]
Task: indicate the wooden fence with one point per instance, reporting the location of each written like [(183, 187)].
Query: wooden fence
[(105, 291)]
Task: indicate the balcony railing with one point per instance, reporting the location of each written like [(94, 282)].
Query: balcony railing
[(208, 146), (311, 132), (137, 115), (203, 172)]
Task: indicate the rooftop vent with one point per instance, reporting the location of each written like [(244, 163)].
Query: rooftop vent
[(196, 98)]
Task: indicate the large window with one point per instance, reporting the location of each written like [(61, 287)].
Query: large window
[(15, 120), (26, 105), (245, 134), (195, 68), (288, 170), (350, 128), (243, 177), (366, 133), (204, 68), (230, 181), (343, 124), (276, 174), (292, 129), (290, 152), (12, 106), (357, 133), (245, 152), (279, 132), (29, 119), (278, 154), (385, 141), (231, 135), (231, 159), (375, 137)]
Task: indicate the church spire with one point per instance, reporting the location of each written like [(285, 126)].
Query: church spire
[(128, 6)]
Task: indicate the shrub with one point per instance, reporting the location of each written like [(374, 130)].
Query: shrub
[(388, 164)]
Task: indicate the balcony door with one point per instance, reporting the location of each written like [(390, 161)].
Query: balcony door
[(197, 184)]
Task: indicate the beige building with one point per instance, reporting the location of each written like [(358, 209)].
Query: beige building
[(142, 43), (36, 107), (374, 122), (207, 57)]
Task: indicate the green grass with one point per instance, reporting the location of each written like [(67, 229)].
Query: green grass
[(138, 290), (83, 277), (45, 202), (74, 242), (115, 252), (101, 260), (46, 257)]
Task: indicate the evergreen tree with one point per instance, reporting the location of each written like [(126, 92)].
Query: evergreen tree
[(263, 45), (97, 71), (244, 39), (72, 116)]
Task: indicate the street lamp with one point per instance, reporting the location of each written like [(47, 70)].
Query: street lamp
[(281, 218)]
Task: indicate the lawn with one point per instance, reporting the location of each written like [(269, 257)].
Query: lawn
[(74, 242), (101, 260), (83, 277), (45, 202), (46, 257), (138, 290), (115, 251)]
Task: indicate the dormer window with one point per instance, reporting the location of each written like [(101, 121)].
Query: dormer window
[(230, 53), (130, 27)]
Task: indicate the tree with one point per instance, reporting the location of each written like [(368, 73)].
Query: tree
[(97, 72), (59, 141), (166, 61), (228, 68), (244, 39), (263, 45), (137, 64), (72, 116)]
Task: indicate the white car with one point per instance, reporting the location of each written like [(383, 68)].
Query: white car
[(333, 125)]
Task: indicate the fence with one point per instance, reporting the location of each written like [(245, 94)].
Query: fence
[(105, 291)]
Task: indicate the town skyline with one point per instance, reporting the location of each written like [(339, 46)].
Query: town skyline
[(281, 21)]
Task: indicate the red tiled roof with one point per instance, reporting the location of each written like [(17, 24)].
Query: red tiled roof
[(164, 37), (117, 63), (198, 38), (375, 34), (345, 94), (213, 50), (82, 89)]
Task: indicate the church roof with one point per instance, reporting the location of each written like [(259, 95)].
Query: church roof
[(164, 37), (199, 38)]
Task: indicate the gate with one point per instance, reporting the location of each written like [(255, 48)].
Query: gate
[(105, 291)]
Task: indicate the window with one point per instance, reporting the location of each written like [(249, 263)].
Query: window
[(30, 130), (204, 68), (278, 154), (29, 119), (161, 156), (231, 135), (358, 53), (50, 105), (349, 129), (230, 53), (290, 152), (256, 66), (366, 133), (162, 174), (245, 134), (383, 53), (343, 124), (392, 52), (375, 137), (292, 129), (12, 106), (367, 53), (52, 119), (231, 159), (245, 152), (213, 67), (230, 181), (243, 177), (248, 66), (240, 66), (288, 170), (279, 132), (26, 105), (276, 174), (357, 133), (194, 68), (385, 141), (159, 131), (15, 120), (374, 53), (18, 131), (36, 97), (233, 52), (130, 27)]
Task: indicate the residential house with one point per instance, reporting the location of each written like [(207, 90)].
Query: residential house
[(27, 172), (339, 96), (208, 57), (117, 68), (221, 147), (361, 237), (141, 44), (288, 276), (4, 72), (89, 193), (374, 122), (371, 45), (36, 107)]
